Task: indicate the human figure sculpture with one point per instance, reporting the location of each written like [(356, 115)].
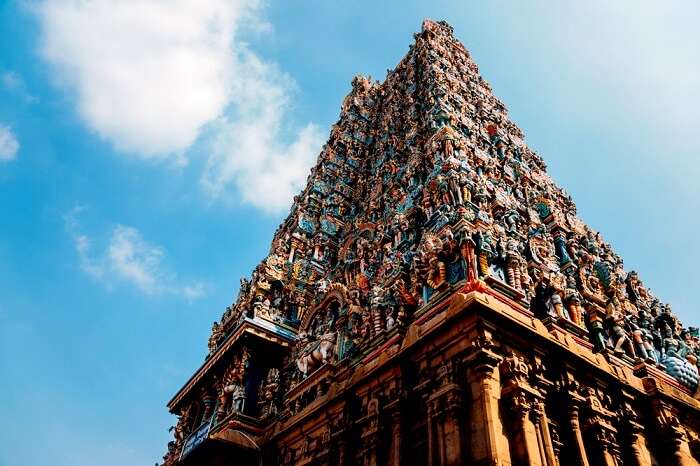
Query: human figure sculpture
[(671, 345), (647, 335), (514, 263), (597, 330), (216, 334), (621, 341), (268, 392), (572, 299), (377, 304), (635, 331), (237, 396), (486, 251), (557, 291), (540, 303)]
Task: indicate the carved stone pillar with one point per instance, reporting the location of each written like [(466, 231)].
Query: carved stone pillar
[(436, 450), (395, 456), (369, 439), (445, 423), (339, 434), (600, 431), (577, 438), (525, 442), (531, 443), (488, 443), (634, 433), (672, 431)]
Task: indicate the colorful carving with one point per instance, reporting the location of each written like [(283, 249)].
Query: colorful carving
[(424, 187)]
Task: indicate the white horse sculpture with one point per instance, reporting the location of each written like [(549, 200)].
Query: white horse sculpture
[(315, 353)]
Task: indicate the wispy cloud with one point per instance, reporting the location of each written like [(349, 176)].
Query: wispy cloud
[(9, 146), (82, 244), (246, 150), (135, 260), (13, 83), (129, 258), (149, 77)]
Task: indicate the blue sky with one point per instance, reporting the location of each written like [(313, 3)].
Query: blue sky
[(148, 150)]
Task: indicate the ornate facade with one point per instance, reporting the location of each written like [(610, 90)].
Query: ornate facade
[(433, 299)]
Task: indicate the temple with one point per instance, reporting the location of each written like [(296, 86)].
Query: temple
[(433, 299)]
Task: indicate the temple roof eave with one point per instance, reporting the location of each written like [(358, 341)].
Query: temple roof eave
[(259, 328)]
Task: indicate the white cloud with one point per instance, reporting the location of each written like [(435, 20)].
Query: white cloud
[(147, 74), (130, 259), (246, 150), (150, 76), (134, 260), (8, 144)]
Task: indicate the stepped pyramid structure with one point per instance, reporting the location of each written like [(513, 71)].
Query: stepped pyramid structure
[(432, 299)]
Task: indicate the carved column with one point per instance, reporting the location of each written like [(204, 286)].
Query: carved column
[(432, 447), (369, 438), (599, 428), (539, 418), (531, 442), (445, 406), (575, 429), (487, 440), (634, 433), (396, 433), (672, 431), (339, 434)]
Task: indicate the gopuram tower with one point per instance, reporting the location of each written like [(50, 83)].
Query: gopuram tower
[(433, 299)]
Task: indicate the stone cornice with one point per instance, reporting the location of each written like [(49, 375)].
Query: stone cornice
[(257, 327)]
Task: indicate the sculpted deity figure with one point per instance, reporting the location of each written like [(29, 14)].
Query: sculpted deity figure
[(676, 361), (376, 304), (558, 286), (268, 392), (541, 302), (511, 220), (633, 287), (216, 333), (238, 397), (671, 346), (314, 351), (183, 427), (429, 264), (572, 299), (465, 186), (447, 147), (228, 382), (390, 321), (647, 335), (482, 196), (244, 286), (621, 341), (486, 251), (261, 307), (597, 329), (514, 263)]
